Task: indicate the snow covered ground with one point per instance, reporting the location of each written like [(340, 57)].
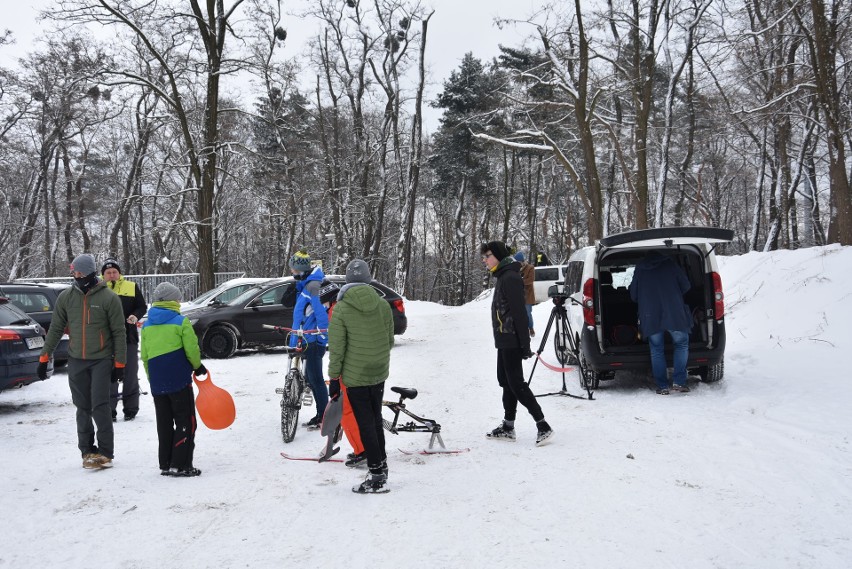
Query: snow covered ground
[(755, 471)]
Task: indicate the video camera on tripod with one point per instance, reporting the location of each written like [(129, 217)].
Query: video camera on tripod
[(566, 343)]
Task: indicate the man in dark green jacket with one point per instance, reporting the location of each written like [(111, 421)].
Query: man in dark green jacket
[(360, 337), (97, 349)]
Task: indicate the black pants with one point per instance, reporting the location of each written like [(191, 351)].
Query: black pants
[(510, 376), (176, 426), (366, 404)]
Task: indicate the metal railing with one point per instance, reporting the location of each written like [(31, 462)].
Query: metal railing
[(188, 283)]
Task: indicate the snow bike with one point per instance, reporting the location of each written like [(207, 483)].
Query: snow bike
[(295, 392), (424, 426)]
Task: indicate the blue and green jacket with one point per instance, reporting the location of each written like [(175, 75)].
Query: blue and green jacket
[(169, 348)]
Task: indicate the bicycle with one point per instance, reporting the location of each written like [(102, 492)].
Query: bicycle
[(296, 391)]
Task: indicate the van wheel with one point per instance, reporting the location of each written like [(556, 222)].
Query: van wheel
[(712, 374), (220, 342), (589, 379)]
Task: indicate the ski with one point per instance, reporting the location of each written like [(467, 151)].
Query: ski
[(427, 451), (309, 458)]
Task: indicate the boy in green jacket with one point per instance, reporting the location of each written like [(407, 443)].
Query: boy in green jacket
[(170, 354), (360, 337)]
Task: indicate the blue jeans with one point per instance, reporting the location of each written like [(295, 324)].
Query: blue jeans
[(529, 315), (313, 374), (657, 342)]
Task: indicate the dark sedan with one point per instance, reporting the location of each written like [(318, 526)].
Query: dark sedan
[(222, 329), (38, 301), (21, 340)]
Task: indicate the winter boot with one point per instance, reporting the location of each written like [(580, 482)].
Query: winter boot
[(502, 433), (374, 483), (680, 388), (545, 433), (356, 460), (314, 424), (182, 472)]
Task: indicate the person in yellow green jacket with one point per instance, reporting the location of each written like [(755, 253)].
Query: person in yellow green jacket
[(97, 348), (135, 307), (170, 354)]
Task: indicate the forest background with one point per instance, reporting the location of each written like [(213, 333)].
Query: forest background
[(611, 115)]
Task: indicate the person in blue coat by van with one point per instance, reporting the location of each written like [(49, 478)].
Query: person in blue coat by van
[(658, 287)]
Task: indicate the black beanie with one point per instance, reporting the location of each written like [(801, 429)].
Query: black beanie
[(110, 264), (498, 249)]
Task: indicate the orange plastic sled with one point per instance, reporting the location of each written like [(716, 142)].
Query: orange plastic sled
[(215, 405)]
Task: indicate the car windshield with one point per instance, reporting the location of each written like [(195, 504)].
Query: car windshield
[(249, 293), (203, 298)]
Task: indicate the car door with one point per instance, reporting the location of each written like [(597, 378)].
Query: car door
[(266, 308)]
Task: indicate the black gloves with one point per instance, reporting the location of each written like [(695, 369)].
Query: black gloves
[(526, 353), (41, 372), (117, 374), (334, 388), (200, 370)]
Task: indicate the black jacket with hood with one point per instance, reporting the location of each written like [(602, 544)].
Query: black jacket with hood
[(508, 307)]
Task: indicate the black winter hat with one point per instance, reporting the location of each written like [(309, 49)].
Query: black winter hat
[(497, 248), (110, 264)]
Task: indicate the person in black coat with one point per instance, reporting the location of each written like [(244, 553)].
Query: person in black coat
[(658, 287), (135, 307), (512, 340)]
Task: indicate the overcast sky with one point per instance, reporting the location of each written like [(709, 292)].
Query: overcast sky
[(458, 26)]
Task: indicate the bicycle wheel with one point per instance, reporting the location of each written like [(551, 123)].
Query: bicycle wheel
[(290, 405)]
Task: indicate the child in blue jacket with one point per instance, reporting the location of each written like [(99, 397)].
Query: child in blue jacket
[(310, 314)]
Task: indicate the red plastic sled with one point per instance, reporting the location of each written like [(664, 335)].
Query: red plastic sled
[(215, 405)]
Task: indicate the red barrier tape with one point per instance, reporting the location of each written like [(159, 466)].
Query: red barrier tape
[(554, 368)]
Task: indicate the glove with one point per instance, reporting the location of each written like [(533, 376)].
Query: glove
[(526, 353), (334, 388), (117, 374), (200, 370), (41, 372)]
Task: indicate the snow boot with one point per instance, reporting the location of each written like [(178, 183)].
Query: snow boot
[(356, 460), (502, 433), (374, 483), (680, 388), (545, 433), (314, 424)]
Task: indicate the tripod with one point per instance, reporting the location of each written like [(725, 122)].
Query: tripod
[(564, 339)]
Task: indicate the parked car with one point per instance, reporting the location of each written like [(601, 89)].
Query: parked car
[(21, 340), (38, 301), (222, 329), (604, 318), (545, 277), (224, 293)]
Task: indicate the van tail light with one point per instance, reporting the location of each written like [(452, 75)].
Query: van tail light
[(399, 305), (9, 335), (589, 302), (718, 297)]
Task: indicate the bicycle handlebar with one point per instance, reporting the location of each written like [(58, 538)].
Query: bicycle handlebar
[(295, 331)]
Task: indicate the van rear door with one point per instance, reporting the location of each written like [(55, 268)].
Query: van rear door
[(666, 236)]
